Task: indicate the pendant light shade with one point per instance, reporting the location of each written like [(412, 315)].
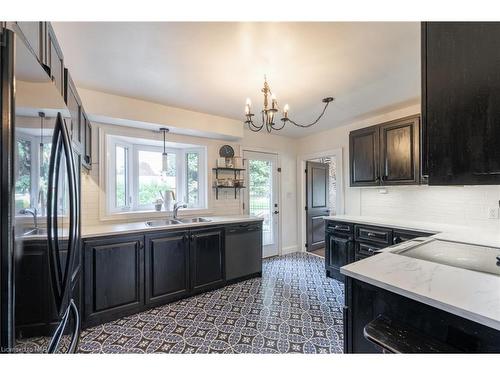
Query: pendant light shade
[(164, 154)]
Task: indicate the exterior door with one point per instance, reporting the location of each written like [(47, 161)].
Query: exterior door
[(317, 181), (262, 196)]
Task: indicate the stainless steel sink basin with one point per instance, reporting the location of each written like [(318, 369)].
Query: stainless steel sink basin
[(162, 223), (166, 222), (195, 220)]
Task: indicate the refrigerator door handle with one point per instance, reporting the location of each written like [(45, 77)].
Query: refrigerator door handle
[(52, 229), (61, 283), (56, 339)]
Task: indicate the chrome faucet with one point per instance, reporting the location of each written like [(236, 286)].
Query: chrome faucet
[(31, 211), (178, 205)]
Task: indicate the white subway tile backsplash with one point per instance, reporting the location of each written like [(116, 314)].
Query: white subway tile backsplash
[(441, 204)]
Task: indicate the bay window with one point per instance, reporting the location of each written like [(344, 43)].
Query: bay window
[(136, 179)]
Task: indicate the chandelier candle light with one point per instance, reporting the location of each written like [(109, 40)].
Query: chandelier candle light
[(269, 111)]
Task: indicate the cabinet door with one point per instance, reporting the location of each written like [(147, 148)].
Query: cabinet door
[(339, 252), (87, 142), (167, 266), (32, 289), (75, 108), (399, 151), (54, 58), (207, 259), (461, 102), (364, 157), (114, 277), (33, 34)]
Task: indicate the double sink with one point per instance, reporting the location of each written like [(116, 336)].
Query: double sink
[(166, 222)]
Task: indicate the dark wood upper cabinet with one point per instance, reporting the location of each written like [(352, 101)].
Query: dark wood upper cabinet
[(364, 156), (54, 60), (87, 142), (386, 154), (207, 258), (461, 102), (399, 151), (167, 266), (74, 104), (33, 34)]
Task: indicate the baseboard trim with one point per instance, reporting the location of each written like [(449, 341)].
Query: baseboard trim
[(289, 250)]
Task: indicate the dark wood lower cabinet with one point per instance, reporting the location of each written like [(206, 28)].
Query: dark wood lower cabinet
[(35, 309), (167, 267), (114, 277), (337, 254), (207, 259), (365, 303), (127, 274)]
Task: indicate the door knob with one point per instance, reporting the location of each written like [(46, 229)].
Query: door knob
[(276, 212)]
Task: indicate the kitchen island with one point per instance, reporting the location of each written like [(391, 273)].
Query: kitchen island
[(446, 300)]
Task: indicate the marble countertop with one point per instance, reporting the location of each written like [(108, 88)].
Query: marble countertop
[(470, 294), (138, 227), (468, 234)]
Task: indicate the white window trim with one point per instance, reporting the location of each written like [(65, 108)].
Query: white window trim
[(107, 214), (35, 167)]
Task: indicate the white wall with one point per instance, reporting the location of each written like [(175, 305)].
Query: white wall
[(440, 204), (121, 110)]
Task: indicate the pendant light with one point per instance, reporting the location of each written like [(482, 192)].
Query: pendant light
[(164, 155)]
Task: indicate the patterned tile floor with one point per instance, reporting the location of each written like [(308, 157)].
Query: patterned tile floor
[(293, 308)]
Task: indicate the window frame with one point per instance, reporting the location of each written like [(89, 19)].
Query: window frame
[(35, 166), (132, 174)]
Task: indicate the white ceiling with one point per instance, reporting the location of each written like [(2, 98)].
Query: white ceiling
[(368, 67)]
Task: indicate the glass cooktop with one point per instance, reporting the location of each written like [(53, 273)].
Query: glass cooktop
[(456, 254)]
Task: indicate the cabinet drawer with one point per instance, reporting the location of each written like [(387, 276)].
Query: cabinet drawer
[(363, 250), (406, 235), (374, 234), (341, 227)]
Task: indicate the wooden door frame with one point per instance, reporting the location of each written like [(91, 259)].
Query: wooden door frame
[(280, 198), (301, 189)]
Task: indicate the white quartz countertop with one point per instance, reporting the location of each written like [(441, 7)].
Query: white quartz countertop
[(469, 294), (139, 227), (468, 234)]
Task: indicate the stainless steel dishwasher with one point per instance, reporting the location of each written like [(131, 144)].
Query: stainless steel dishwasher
[(243, 250)]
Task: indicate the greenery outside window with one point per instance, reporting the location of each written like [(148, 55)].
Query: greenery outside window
[(136, 180)]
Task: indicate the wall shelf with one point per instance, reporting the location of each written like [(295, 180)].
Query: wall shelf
[(236, 171), (236, 189)]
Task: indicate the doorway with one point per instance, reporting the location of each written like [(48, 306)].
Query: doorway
[(262, 196), (321, 192)]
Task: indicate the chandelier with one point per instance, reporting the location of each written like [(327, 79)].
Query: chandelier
[(270, 109)]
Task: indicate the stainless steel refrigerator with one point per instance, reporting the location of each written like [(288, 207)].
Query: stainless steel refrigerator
[(39, 207)]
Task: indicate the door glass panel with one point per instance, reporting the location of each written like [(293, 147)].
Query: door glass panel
[(261, 195)]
